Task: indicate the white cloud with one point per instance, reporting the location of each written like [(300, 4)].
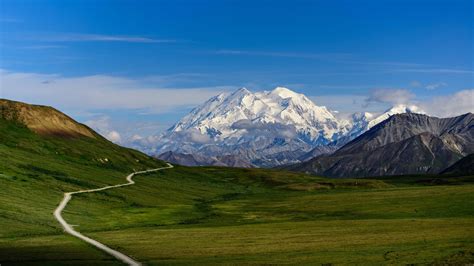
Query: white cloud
[(113, 136), (136, 137), (392, 96), (450, 105), (198, 137), (102, 126), (100, 92)]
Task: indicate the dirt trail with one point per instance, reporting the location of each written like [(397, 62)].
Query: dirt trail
[(70, 230)]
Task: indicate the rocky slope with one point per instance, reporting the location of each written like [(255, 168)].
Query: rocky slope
[(402, 144)]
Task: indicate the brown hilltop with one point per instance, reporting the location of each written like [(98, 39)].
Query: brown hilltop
[(44, 120)]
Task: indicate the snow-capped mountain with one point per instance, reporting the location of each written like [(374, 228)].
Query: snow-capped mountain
[(229, 116), (266, 128)]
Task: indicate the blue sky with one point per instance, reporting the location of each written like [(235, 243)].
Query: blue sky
[(86, 57)]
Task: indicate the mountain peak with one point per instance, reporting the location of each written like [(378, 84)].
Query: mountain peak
[(283, 92), (242, 90), (280, 107)]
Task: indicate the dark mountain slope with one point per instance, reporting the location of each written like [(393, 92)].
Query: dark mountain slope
[(403, 144), (463, 167), (320, 150), (400, 127)]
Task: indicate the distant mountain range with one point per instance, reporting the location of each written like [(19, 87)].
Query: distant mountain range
[(263, 129), (402, 144)]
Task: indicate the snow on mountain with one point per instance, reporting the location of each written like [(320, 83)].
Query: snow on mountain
[(363, 121), (359, 123), (398, 109), (217, 116), (266, 128)]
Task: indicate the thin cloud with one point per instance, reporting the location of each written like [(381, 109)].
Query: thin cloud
[(394, 64), (282, 54), (346, 58), (335, 57), (437, 70), (435, 86), (42, 47), (79, 37), (346, 86)]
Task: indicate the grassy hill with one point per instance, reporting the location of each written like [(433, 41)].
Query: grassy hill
[(211, 215), (45, 153)]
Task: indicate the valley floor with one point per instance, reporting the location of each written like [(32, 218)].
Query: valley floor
[(213, 215)]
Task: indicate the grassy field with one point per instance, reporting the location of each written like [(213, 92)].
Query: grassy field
[(212, 215), (34, 172)]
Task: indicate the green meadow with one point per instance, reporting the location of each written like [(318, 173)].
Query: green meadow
[(214, 215)]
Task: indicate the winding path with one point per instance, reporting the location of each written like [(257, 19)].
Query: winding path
[(70, 230)]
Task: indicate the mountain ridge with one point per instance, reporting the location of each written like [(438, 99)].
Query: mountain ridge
[(389, 148)]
